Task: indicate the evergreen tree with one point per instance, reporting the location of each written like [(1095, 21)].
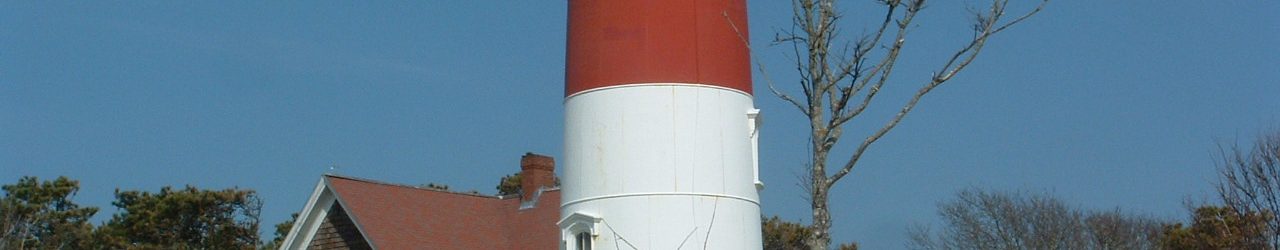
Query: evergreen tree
[(187, 218), (41, 215)]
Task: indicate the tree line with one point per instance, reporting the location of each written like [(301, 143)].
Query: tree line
[(37, 214), (1242, 217)]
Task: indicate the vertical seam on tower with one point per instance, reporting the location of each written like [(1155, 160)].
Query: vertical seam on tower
[(675, 167)]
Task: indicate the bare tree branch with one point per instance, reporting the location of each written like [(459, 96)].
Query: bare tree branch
[(840, 81), (1250, 182), (965, 56), (979, 219), (760, 66)]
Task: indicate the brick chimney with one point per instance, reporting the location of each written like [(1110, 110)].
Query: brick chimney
[(536, 171)]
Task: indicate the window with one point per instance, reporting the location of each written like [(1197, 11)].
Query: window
[(583, 241), (578, 231)]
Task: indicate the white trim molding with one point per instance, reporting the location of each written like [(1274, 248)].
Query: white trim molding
[(577, 223), (754, 120), (313, 215), (309, 220), (628, 85), (601, 197)]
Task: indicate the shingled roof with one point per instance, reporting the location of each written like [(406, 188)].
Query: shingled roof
[(393, 216)]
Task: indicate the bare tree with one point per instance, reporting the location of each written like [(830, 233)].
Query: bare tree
[(840, 80), (979, 219), (987, 220), (1116, 230), (1250, 182)]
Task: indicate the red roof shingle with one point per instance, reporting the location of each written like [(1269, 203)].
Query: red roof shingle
[(406, 217)]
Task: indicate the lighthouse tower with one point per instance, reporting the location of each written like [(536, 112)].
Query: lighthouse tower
[(660, 129)]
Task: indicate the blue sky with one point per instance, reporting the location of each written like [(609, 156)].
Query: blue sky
[(1103, 103)]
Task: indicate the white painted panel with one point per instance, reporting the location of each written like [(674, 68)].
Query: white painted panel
[(656, 161)]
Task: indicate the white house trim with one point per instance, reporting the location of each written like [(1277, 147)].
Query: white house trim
[(313, 215), (577, 223)]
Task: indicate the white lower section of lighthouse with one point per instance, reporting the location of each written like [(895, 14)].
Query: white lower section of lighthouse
[(660, 166)]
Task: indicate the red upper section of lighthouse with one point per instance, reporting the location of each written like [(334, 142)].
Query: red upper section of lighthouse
[(619, 42)]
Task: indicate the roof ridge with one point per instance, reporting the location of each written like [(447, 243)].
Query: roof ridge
[(371, 181)]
